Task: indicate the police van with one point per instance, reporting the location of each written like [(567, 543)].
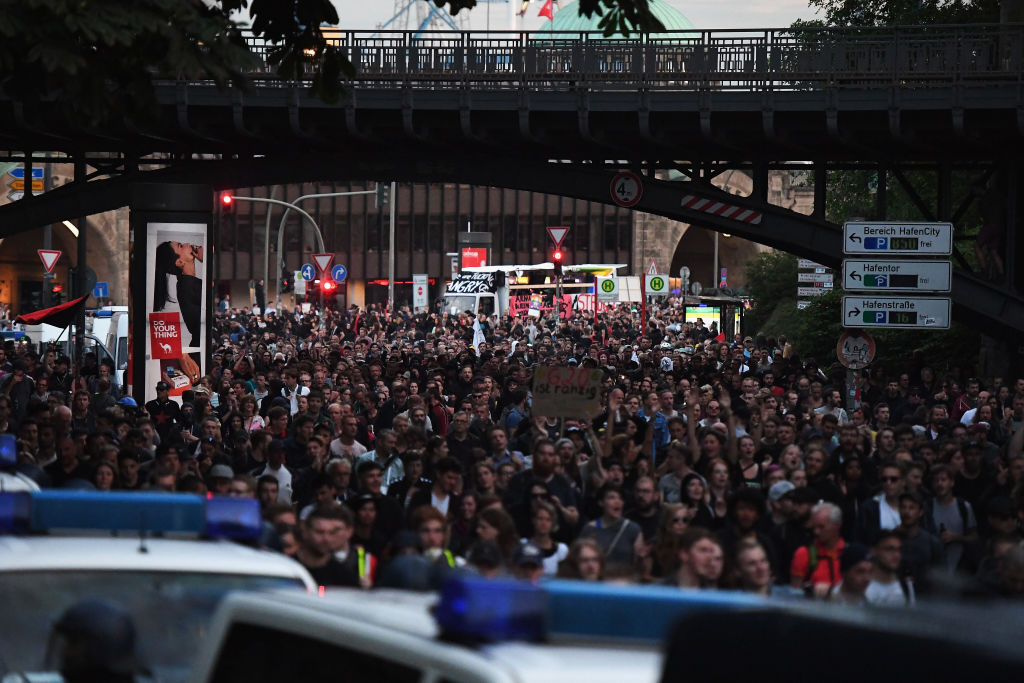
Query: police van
[(165, 559), (472, 630), (477, 630)]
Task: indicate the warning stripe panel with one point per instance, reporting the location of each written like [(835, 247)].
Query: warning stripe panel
[(736, 213)]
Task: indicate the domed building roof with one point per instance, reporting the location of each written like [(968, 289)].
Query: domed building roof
[(568, 18)]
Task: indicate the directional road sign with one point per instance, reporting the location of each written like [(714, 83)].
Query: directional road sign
[(814, 277), (49, 258), (19, 185), (339, 273), (896, 312), (557, 235), (656, 285), (812, 291), (307, 272), (807, 263), (607, 289), (882, 238), (19, 172), (323, 261), (918, 276)]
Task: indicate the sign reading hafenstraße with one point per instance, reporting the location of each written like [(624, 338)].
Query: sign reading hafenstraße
[(896, 312)]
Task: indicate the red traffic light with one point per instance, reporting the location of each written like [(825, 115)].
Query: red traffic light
[(57, 289), (330, 285), (557, 255), (226, 199)]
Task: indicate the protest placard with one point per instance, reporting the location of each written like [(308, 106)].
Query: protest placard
[(567, 392)]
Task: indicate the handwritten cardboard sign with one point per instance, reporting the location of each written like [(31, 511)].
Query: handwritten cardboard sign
[(567, 392)]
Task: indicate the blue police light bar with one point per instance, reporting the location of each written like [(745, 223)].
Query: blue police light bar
[(168, 513), (132, 512), (8, 450), (14, 512), (481, 610), (578, 609)]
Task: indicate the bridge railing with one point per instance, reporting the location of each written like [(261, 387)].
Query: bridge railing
[(770, 59)]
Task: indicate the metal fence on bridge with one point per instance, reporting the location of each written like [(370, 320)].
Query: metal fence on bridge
[(765, 60)]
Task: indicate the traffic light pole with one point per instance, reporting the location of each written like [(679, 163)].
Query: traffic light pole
[(278, 202)]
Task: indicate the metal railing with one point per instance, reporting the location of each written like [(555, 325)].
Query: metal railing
[(762, 60)]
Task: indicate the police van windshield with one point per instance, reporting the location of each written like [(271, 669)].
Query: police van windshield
[(171, 612)]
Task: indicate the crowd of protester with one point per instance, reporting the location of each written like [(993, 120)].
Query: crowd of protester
[(382, 444)]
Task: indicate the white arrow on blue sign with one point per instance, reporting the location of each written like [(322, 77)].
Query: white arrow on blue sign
[(19, 172), (307, 272), (339, 273)]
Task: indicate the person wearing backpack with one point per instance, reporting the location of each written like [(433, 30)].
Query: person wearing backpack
[(951, 518), (815, 567), (888, 587)]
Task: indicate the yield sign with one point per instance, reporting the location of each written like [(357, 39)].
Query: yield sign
[(49, 258), (653, 268), (557, 235), (323, 261)]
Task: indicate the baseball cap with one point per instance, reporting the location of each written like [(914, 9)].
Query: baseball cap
[(779, 489), (221, 472), (162, 386), (529, 554)]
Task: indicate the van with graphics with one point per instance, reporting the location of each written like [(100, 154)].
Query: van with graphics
[(521, 290)]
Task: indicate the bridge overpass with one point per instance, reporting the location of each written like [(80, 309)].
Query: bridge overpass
[(561, 112)]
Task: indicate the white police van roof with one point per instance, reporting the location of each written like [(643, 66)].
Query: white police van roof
[(42, 553), (399, 626)]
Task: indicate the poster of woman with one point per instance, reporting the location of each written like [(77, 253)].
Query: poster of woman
[(176, 298)]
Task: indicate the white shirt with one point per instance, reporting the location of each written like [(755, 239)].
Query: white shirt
[(351, 452), (889, 518), (440, 504), (293, 396), (284, 482), (889, 594)]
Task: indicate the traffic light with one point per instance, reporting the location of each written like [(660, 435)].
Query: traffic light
[(329, 287), (57, 293), (227, 202), (557, 258), (286, 282), (382, 194)]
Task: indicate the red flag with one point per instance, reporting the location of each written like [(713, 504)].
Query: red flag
[(547, 11), (720, 337)]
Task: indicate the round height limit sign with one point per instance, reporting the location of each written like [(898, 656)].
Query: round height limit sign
[(626, 189)]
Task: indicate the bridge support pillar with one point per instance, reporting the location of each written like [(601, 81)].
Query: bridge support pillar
[(170, 278), (820, 183)]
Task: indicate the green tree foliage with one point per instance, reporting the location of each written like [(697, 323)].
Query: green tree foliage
[(904, 12), (771, 280), (97, 57)]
